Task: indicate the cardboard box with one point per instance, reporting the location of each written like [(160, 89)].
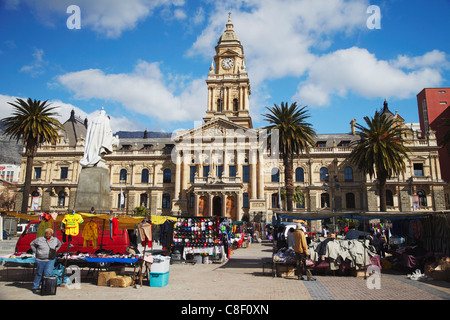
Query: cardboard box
[(104, 277), (120, 281), (285, 270)]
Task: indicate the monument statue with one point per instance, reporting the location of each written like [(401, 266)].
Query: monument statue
[(94, 180), (99, 141)]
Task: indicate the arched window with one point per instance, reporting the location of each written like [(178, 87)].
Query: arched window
[(323, 174), (275, 175), (167, 178), (123, 175), (325, 200), (350, 200), (144, 176), (422, 198), (166, 201), (219, 105), (299, 175), (389, 198), (348, 174), (61, 198)]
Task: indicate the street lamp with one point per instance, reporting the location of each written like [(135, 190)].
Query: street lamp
[(334, 186)]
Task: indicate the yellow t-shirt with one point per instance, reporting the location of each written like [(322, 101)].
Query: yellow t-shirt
[(72, 222)]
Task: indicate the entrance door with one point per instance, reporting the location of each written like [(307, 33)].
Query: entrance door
[(217, 206)]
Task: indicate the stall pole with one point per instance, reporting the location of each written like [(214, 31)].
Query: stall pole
[(364, 245), (103, 231)]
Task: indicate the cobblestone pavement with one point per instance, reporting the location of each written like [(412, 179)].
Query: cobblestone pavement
[(241, 278)]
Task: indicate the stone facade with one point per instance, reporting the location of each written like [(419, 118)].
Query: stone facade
[(222, 168)]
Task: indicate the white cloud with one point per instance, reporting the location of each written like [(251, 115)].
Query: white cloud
[(108, 17), (63, 111), (359, 71), (286, 38), (145, 91), (38, 64)]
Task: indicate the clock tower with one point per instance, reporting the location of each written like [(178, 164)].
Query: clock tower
[(228, 82)]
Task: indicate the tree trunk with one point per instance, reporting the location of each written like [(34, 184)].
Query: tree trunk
[(382, 193), (288, 181), (31, 151)]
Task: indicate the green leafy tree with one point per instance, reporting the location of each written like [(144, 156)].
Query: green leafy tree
[(380, 151), (295, 136), (33, 122)]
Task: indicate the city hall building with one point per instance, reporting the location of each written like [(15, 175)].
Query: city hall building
[(223, 167)]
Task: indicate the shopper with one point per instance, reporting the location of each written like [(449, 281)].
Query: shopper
[(301, 253), (45, 249)]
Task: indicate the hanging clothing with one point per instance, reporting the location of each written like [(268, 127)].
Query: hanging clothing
[(113, 228), (90, 233), (72, 223), (166, 234), (145, 233), (41, 228)]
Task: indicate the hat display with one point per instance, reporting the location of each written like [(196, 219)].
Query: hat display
[(196, 232)]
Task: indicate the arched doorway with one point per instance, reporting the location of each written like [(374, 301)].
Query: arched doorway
[(231, 207), (203, 206), (217, 206)]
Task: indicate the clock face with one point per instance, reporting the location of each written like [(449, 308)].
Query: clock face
[(227, 63)]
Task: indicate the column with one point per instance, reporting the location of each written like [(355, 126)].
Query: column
[(224, 204), (210, 204), (253, 173), (241, 99), (178, 177), (261, 175)]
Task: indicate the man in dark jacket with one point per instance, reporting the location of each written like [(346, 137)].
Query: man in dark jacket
[(42, 247)]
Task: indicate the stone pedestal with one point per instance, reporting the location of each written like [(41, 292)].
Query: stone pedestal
[(93, 190)]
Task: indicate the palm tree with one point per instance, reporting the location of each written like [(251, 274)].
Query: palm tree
[(32, 122), (381, 150), (295, 136)]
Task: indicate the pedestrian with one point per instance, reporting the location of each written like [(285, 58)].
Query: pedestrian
[(325, 232), (379, 244), (301, 253), (281, 239), (290, 238), (45, 249)]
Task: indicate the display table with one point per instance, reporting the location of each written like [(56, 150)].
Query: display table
[(216, 250)]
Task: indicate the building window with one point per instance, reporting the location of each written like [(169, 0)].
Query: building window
[(323, 174), (64, 172), (325, 200), (441, 91), (422, 198), (148, 147), (350, 200), (143, 200), (321, 144), (245, 201), (348, 174), (275, 203), (235, 105), (232, 171), (126, 147), (219, 171), (121, 200), (192, 172), (275, 175), (344, 144), (299, 175), (144, 176), (123, 175), (246, 173), (205, 171), (219, 105), (418, 169), (61, 199), (389, 198), (166, 201), (443, 102), (167, 176), (37, 173)]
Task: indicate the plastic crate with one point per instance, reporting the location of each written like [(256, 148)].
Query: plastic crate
[(158, 279), (160, 264)]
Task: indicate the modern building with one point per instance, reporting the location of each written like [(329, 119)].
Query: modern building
[(433, 105), (223, 167)]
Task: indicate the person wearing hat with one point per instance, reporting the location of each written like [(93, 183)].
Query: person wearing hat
[(45, 249), (301, 252)]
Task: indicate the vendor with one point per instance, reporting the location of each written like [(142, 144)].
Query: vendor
[(45, 249)]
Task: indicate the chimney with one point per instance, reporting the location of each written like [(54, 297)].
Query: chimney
[(353, 126)]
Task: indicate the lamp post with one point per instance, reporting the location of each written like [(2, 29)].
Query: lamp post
[(334, 186)]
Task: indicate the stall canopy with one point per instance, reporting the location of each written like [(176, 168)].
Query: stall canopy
[(320, 215), (125, 222)]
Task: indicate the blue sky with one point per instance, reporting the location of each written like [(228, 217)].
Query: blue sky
[(146, 61)]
